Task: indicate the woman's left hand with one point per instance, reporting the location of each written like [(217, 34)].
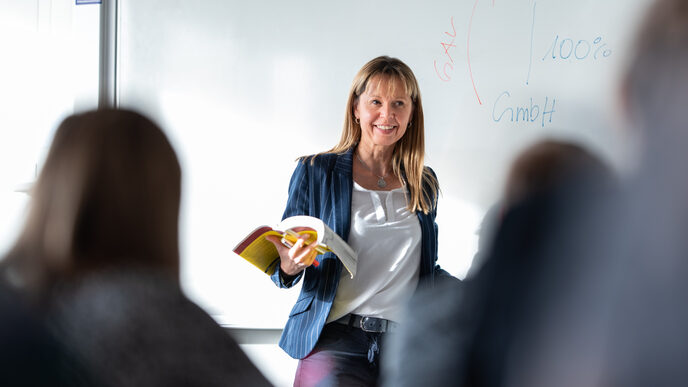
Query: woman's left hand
[(295, 259)]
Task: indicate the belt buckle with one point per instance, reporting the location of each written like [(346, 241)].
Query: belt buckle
[(372, 327)]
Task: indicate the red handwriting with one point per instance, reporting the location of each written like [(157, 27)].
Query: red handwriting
[(448, 66), (468, 51)]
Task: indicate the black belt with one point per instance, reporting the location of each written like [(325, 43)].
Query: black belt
[(369, 324)]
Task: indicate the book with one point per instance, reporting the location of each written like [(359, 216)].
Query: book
[(261, 253)]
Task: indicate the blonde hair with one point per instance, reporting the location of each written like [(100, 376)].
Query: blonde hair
[(409, 151), (108, 195)]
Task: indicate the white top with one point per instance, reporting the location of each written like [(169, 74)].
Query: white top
[(387, 238)]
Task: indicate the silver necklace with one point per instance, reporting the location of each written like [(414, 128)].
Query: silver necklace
[(380, 179)]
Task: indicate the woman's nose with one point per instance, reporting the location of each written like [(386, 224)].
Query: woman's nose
[(386, 111)]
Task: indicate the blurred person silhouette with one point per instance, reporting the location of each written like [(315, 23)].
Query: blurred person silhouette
[(602, 302), (466, 335), (30, 355), (99, 255), (620, 319)]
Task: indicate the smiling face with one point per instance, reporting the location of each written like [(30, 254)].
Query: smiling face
[(384, 111)]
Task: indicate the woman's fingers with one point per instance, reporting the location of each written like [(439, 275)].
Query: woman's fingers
[(310, 259), (308, 254), (298, 257)]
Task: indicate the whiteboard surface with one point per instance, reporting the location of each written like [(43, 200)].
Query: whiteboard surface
[(244, 88)]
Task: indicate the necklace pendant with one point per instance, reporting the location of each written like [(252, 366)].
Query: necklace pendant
[(381, 183)]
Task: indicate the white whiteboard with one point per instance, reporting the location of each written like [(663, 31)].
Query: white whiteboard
[(243, 88)]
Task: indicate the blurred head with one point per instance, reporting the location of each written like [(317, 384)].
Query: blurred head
[(655, 87), (107, 196), (547, 164)]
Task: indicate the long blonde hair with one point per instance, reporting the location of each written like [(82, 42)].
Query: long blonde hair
[(409, 151)]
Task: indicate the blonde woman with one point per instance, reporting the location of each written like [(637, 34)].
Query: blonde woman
[(374, 191)]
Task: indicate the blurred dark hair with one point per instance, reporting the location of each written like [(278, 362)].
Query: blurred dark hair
[(108, 195), (548, 163), (655, 86)]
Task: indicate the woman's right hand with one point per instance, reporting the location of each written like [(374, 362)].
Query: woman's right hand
[(295, 259)]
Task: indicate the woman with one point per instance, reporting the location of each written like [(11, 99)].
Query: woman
[(100, 255), (373, 190)]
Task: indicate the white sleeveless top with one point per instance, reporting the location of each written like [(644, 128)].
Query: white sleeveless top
[(387, 238)]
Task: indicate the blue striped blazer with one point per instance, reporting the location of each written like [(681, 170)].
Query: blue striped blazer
[(324, 190)]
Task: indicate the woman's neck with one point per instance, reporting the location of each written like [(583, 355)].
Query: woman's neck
[(377, 159)]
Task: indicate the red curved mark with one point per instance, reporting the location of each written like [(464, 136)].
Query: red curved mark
[(445, 71), (468, 51), (451, 20)]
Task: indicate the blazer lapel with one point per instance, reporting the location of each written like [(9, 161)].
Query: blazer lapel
[(340, 191)]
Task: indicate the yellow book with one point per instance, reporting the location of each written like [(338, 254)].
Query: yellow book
[(261, 253)]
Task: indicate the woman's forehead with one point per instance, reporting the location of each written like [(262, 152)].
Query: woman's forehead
[(388, 85)]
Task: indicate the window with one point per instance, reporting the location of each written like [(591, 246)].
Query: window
[(48, 70)]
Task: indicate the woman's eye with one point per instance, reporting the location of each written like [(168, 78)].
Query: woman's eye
[(375, 102), (399, 103)]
